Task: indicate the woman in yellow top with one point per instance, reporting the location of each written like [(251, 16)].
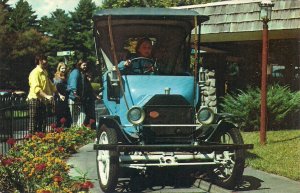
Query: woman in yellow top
[(41, 91)]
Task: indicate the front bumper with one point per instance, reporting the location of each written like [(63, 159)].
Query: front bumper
[(172, 148), (143, 156)]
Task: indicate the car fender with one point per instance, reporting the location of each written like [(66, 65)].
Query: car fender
[(219, 127), (113, 122)]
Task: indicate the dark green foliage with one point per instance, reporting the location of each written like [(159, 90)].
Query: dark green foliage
[(83, 41), (22, 17), (245, 106), (82, 30), (22, 35), (58, 29), (152, 3), (3, 31), (3, 42), (21, 41)]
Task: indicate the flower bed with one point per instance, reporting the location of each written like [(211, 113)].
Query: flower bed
[(39, 163)]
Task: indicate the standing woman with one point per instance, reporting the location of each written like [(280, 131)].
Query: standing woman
[(63, 114), (76, 84)]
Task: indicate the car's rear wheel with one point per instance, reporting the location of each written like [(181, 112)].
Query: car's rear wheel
[(107, 161), (230, 172)]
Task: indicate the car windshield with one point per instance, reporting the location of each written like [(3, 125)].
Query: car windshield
[(169, 30), (158, 57)]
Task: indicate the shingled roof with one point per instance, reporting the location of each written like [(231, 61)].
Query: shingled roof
[(238, 16)]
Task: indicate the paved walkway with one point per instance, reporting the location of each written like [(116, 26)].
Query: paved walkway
[(258, 181), (255, 181)]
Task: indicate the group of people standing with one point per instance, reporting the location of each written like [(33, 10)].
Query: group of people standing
[(73, 94)]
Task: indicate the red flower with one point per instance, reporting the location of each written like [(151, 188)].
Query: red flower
[(60, 149), (40, 167), (63, 120), (53, 125), (87, 185), (7, 162), (40, 134), (11, 141), (92, 121), (57, 179), (28, 136), (86, 125), (46, 191), (58, 130)]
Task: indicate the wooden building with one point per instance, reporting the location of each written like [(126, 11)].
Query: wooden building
[(233, 41)]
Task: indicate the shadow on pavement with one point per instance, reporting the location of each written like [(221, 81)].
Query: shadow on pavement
[(152, 184), (250, 183)]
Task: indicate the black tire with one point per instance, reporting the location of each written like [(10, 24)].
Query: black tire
[(229, 174), (107, 179)]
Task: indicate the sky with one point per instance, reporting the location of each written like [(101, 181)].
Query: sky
[(45, 7)]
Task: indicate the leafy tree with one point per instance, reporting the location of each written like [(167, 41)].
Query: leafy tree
[(4, 16), (151, 3), (3, 30), (23, 49), (83, 42), (135, 3), (22, 17), (58, 28), (22, 41)]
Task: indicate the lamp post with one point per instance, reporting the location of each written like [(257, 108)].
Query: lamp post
[(265, 17)]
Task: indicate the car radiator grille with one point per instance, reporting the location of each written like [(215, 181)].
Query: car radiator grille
[(168, 115)]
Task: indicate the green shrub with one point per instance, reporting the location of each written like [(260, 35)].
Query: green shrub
[(245, 106)]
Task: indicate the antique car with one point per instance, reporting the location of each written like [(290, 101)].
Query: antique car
[(157, 119)]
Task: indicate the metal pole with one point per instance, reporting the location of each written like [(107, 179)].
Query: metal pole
[(263, 110)]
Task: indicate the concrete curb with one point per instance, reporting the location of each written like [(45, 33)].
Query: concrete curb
[(210, 187)]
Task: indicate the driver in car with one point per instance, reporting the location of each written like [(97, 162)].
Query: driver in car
[(142, 62)]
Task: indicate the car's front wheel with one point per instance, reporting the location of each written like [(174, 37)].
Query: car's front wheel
[(107, 161), (230, 171)]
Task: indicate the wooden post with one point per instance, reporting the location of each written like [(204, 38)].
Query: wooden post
[(263, 110)]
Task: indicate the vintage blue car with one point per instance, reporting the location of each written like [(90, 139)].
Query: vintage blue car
[(156, 119)]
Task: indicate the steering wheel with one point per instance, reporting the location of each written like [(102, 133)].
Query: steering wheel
[(142, 65)]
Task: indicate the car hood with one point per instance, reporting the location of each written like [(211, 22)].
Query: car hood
[(140, 89)]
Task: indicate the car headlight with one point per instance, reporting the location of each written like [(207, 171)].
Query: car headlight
[(205, 115), (136, 115)]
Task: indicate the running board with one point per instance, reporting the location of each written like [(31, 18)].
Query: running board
[(172, 148)]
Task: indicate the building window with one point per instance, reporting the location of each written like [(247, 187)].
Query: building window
[(278, 71)]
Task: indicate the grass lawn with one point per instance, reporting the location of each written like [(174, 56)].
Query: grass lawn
[(17, 114), (281, 154)]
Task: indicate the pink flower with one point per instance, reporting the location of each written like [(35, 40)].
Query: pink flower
[(87, 185), (40, 134), (58, 130), (63, 120), (92, 121), (11, 141), (7, 162), (29, 136), (53, 125)]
